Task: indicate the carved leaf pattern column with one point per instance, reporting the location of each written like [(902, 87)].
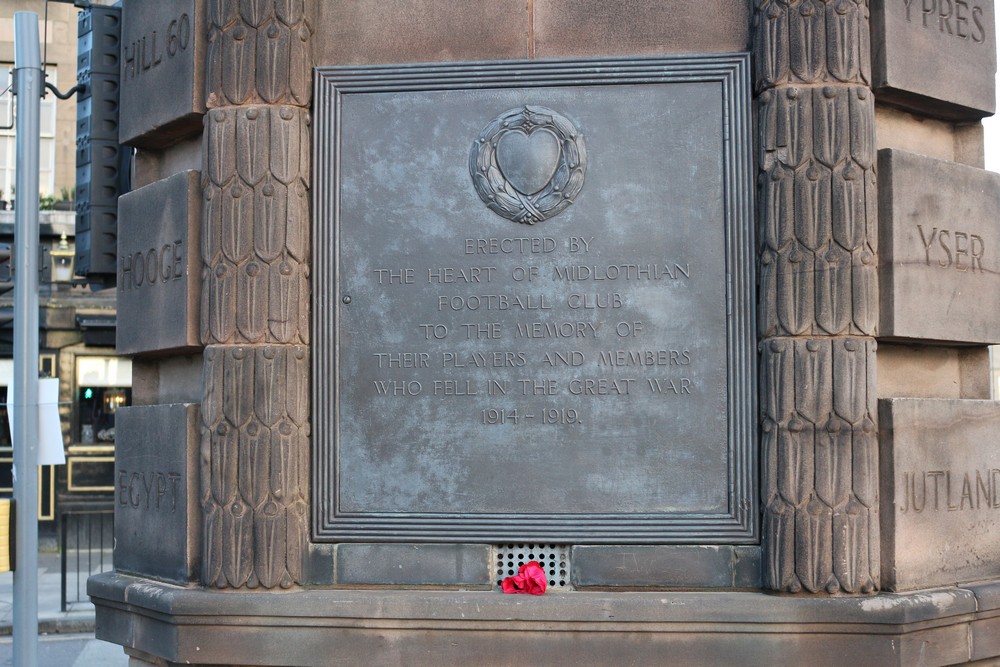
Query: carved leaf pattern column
[(255, 313), (818, 286)]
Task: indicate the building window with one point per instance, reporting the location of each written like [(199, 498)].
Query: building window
[(6, 378), (5, 443), (103, 384), (47, 147)]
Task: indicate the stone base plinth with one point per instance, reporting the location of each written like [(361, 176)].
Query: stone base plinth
[(943, 626)]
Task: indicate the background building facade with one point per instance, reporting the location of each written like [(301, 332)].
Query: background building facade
[(76, 339)]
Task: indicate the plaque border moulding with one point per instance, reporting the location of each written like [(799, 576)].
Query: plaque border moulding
[(740, 522)]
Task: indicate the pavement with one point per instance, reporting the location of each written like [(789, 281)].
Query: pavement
[(66, 638), (79, 614)]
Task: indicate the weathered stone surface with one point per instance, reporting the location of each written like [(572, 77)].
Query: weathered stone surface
[(655, 566), (162, 78), (820, 464), (159, 267), (258, 53), (573, 28), (940, 489), (413, 564), (811, 42), (818, 211), (437, 31), (748, 567), (933, 137), (986, 639), (160, 380), (935, 56), (940, 249), (307, 627), (157, 518), (255, 238), (985, 633), (396, 31), (255, 307), (818, 295), (987, 594), (151, 166), (933, 371), (255, 435)]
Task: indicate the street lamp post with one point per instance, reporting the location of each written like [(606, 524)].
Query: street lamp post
[(28, 82)]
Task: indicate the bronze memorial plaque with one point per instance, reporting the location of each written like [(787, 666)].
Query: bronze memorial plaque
[(534, 302)]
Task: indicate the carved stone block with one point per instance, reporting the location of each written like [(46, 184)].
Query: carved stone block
[(413, 564), (935, 56), (818, 210), (933, 371), (940, 250), (675, 566), (820, 464), (256, 237), (159, 268), (157, 517), (940, 489), (254, 436), (258, 52), (573, 28), (397, 31), (811, 42), (162, 77), (420, 628)]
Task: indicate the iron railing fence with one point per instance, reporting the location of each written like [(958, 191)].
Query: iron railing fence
[(87, 542)]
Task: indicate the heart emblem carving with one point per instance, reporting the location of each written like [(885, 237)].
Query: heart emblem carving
[(528, 164), (528, 160)]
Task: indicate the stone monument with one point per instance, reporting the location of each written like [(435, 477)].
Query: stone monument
[(687, 302)]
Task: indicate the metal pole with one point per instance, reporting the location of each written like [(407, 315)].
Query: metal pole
[(28, 88)]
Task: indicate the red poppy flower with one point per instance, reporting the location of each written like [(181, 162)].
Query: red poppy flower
[(530, 578)]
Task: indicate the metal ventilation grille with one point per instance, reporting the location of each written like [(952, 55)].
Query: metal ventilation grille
[(554, 559)]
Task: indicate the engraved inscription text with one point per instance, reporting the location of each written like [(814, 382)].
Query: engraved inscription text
[(962, 19)]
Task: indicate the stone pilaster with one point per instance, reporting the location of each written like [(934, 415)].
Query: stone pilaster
[(818, 286), (255, 301)]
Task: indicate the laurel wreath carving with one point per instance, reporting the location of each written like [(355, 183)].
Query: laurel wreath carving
[(497, 192)]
